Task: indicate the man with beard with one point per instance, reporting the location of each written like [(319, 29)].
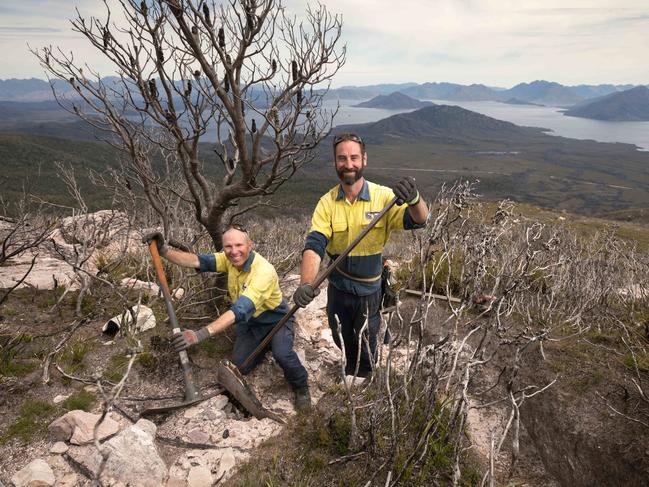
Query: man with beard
[(354, 291)]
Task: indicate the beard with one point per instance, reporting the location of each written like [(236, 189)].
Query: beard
[(349, 177)]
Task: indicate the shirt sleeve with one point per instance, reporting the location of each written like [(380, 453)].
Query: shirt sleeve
[(212, 262), (317, 242), (409, 223), (259, 290), (243, 309), (321, 220), (207, 263)]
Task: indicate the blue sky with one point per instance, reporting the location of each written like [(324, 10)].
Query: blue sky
[(495, 42)]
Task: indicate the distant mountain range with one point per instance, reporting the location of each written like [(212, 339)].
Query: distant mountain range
[(31, 90), (394, 101), (631, 105), (538, 92)]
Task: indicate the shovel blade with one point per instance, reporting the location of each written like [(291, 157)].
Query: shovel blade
[(231, 379)]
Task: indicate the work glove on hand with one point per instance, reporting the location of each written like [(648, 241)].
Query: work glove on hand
[(406, 191), (160, 241), (186, 338), (304, 294)]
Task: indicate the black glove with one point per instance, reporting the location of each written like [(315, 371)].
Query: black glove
[(406, 191), (304, 294), (186, 338), (160, 241)]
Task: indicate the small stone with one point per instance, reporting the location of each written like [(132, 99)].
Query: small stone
[(36, 473), (59, 398), (219, 402), (198, 436), (176, 482), (227, 462), (58, 448), (191, 413), (199, 477), (69, 480), (226, 433), (218, 416), (301, 355)]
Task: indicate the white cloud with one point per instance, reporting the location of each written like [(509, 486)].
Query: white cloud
[(496, 42)]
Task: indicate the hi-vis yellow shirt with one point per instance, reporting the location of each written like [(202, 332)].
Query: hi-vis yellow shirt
[(254, 291), (336, 223)]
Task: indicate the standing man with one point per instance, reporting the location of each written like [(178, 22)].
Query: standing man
[(257, 305), (354, 292)]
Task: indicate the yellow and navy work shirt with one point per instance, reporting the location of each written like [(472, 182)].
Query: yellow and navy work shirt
[(336, 223), (257, 301)]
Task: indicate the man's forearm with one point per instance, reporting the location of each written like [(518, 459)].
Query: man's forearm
[(223, 322), (419, 212), (184, 259), (309, 267)]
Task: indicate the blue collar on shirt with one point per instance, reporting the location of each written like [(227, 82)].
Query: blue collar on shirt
[(363, 195), (248, 263)]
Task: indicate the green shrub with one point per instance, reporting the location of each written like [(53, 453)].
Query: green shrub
[(437, 272), (34, 417), (73, 357), (148, 361), (15, 368), (641, 360), (83, 400), (116, 367)]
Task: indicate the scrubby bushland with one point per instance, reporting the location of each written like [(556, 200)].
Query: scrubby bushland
[(523, 286)]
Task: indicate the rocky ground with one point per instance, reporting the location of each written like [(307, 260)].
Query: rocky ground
[(207, 443)]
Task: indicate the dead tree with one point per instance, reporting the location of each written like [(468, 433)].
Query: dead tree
[(245, 73)]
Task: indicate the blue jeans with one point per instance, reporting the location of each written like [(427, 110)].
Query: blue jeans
[(282, 348), (349, 312)]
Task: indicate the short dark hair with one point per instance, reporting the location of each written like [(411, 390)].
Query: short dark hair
[(345, 136)]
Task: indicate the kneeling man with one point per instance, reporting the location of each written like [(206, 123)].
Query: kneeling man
[(257, 305)]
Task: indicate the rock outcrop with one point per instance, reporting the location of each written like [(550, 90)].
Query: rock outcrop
[(36, 474), (133, 457), (77, 427)]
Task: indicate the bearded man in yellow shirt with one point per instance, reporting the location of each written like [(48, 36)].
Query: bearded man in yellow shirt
[(354, 291)]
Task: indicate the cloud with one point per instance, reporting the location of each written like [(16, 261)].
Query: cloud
[(498, 42), (28, 30)]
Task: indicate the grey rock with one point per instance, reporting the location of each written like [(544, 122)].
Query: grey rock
[(198, 436), (36, 474), (58, 448), (133, 457), (227, 462), (199, 477), (176, 482), (78, 427)]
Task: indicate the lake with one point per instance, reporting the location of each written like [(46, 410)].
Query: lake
[(526, 115)]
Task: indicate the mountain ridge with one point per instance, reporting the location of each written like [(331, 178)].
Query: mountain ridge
[(626, 106), (394, 101)]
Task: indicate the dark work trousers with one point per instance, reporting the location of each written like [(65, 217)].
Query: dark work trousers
[(350, 312), (282, 347)]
